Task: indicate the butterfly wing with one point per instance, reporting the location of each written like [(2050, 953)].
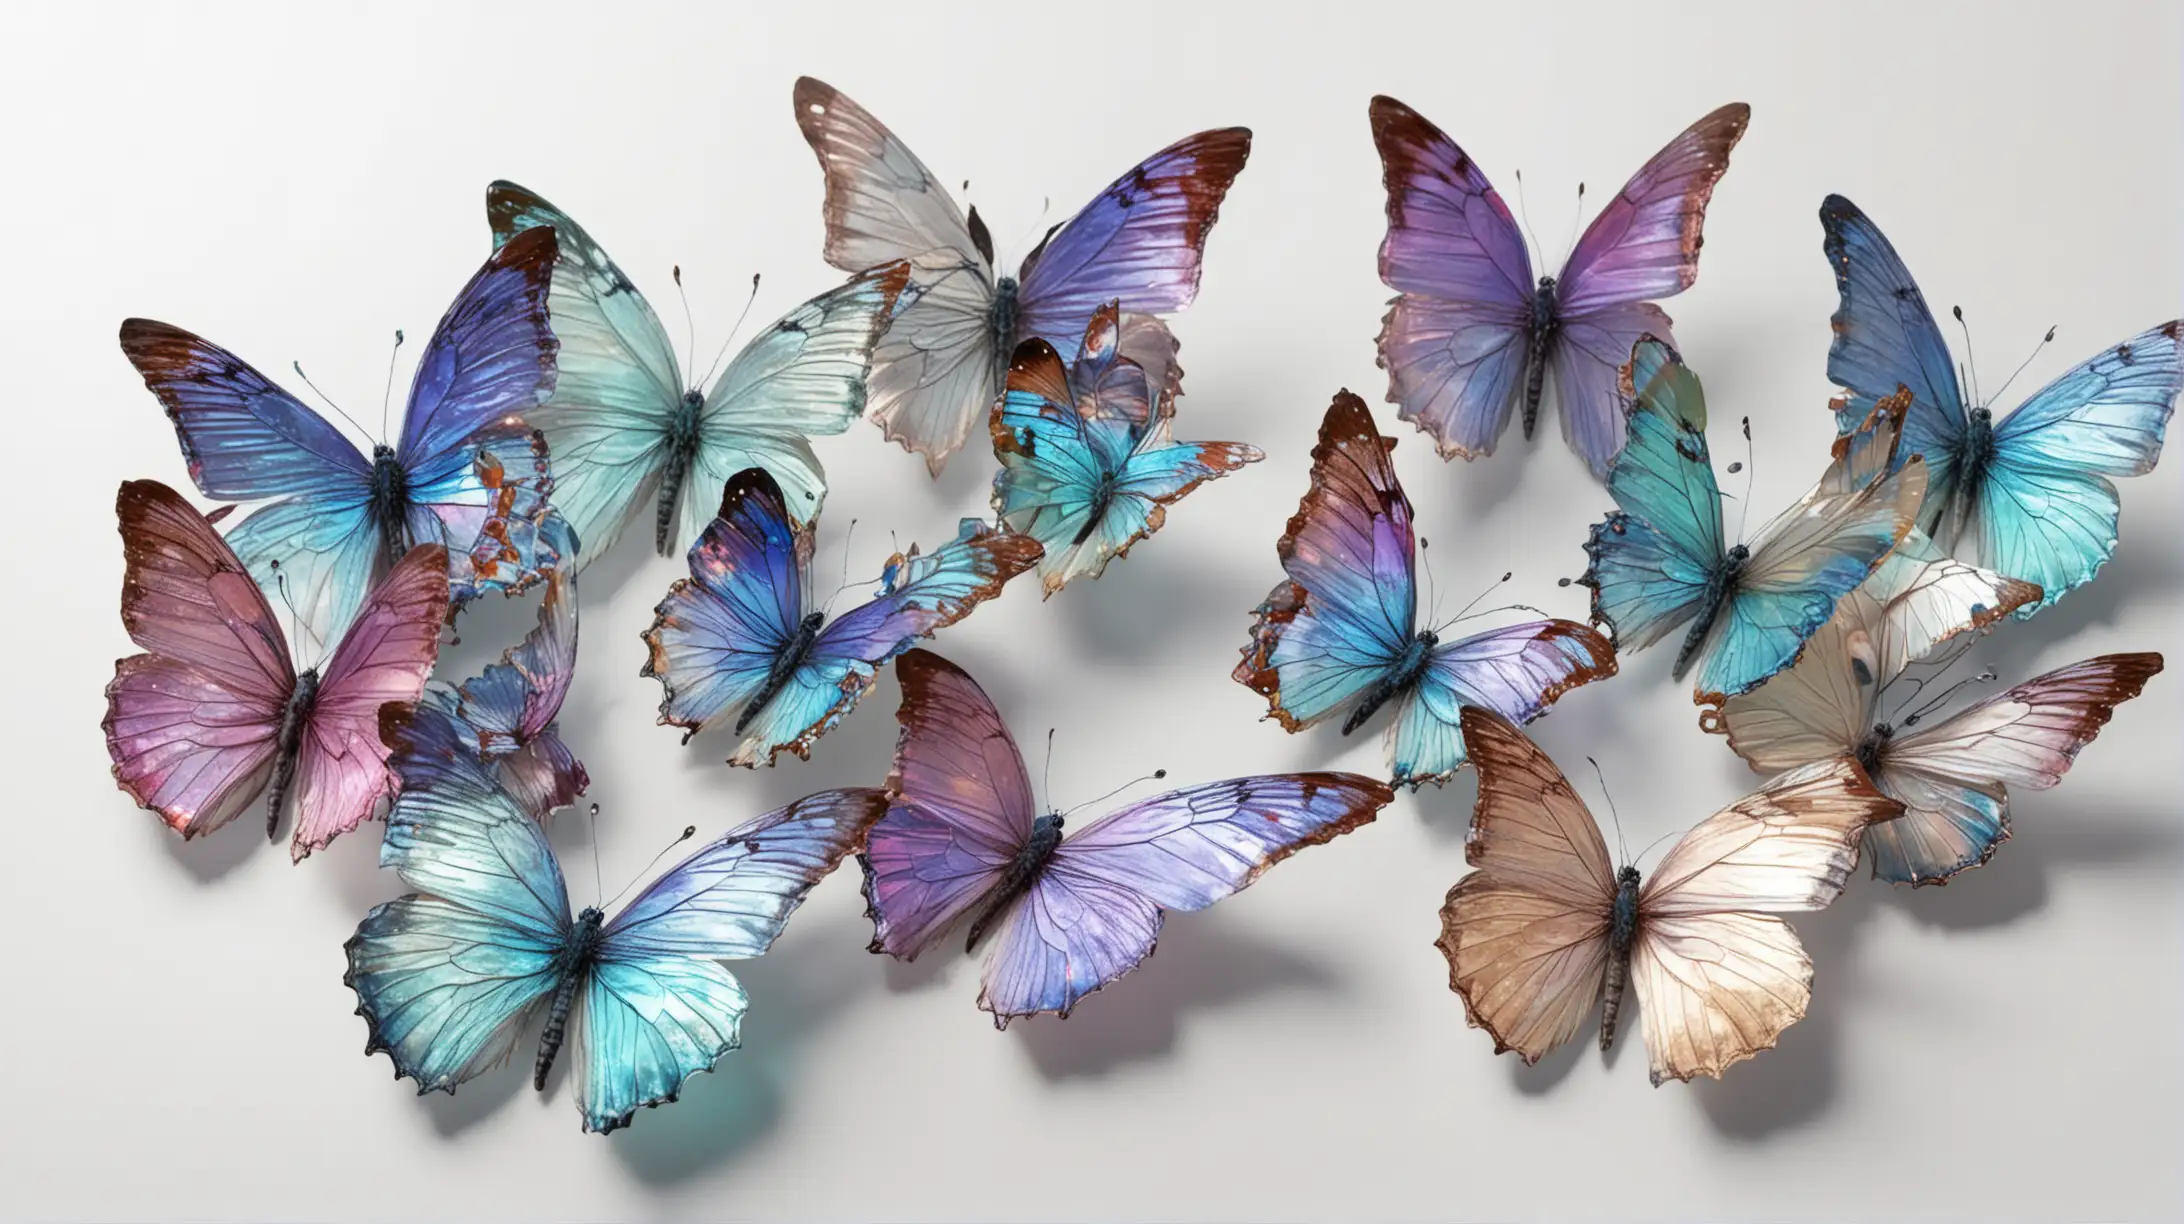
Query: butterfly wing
[(1526, 934), (1653, 558), (961, 808), (1457, 337), (2046, 512), (389, 650), (193, 724), (511, 706), (1094, 913), (1717, 976), (801, 378), (1953, 776), (716, 635), (1344, 617), (618, 387), (1517, 671), (446, 977), (658, 1008)]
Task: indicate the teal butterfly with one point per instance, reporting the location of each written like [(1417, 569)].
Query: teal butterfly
[(628, 431), (450, 977)]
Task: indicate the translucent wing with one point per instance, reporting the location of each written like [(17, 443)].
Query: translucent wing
[(882, 203), (510, 708), (962, 808), (489, 362), (1526, 934), (1517, 671), (1590, 351), (1645, 243), (1094, 913), (1347, 612), (1456, 339), (193, 724)]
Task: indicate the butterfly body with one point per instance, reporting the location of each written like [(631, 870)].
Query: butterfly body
[(1720, 585), (792, 656), (288, 742), (1402, 678), (1024, 871), (1545, 325), (1001, 315), (682, 446), (574, 963), (1622, 933)]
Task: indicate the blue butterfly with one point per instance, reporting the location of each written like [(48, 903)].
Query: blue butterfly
[(742, 637), (2027, 496), (341, 520), (1662, 560), (450, 977), (1089, 460), (627, 430)]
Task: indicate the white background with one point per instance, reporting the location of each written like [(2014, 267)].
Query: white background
[(297, 183)]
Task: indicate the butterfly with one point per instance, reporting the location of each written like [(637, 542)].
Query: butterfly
[(1343, 629), (506, 714), (449, 978), (2028, 495), (1661, 560), (1068, 915), (628, 431), (1469, 336), (1089, 460), (1545, 925), (214, 714), (341, 520), (742, 636), (946, 353), (1952, 776)]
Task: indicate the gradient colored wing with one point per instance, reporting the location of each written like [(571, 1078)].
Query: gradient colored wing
[(961, 809), (1094, 913), (497, 519), (1456, 339), (716, 635), (1953, 776), (489, 362), (1645, 243), (1344, 617), (1140, 241), (193, 724), (1652, 560), (2046, 512), (389, 650), (619, 385), (1717, 976), (510, 708), (1526, 934), (1516, 671), (882, 203)]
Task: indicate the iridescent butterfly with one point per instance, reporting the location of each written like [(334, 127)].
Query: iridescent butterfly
[(340, 520), (946, 353), (963, 838), (1952, 775), (215, 714), (1343, 631), (450, 977), (1662, 559), (1089, 460), (1470, 336), (2028, 495), (745, 636), (1547, 925), (628, 429)]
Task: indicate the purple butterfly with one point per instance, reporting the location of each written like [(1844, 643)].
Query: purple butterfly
[(1469, 333), (962, 836)]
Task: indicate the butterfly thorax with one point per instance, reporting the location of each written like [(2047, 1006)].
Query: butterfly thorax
[(1397, 679), (1975, 452), (1622, 932), (1103, 495), (792, 656), (390, 503), (1031, 859), (1001, 315), (1873, 746), (573, 964), (295, 716), (1546, 322), (1720, 585), (682, 450)]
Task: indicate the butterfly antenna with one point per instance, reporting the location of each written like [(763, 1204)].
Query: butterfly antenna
[(1154, 776), (1912, 719), (1651, 844), (690, 324), (1969, 356), (1622, 851), (847, 536), (1433, 591), (329, 399), (2044, 342), (1525, 214), (747, 303), (1045, 205), (298, 627), (598, 886), (1570, 247), (386, 399), (1464, 611), (1750, 469), (689, 831), (1046, 771)]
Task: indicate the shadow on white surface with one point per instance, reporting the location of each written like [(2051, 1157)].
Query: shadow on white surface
[(211, 857)]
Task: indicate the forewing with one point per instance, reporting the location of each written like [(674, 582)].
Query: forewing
[(1516, 671), (2027, 735), (882, 203), (1785, 847), (1645, 243), (1529, 831), (489, 362)]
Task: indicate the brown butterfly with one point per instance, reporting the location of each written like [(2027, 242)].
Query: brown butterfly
[(1546, 925)]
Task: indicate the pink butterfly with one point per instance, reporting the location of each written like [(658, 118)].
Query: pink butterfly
[(1547, 925), (215, 713)]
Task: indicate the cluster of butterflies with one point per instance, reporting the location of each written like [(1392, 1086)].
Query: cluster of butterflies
[(548, 410)]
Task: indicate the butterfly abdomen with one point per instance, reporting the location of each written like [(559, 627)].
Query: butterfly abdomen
[(295, 716), (1720, 585), (1544, 325), (1031, 859), (1976, 452), (792, 656), (574, 964), (682, 450), (1622, 930), (390, 503), (1103, 495), (1398, 678)]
